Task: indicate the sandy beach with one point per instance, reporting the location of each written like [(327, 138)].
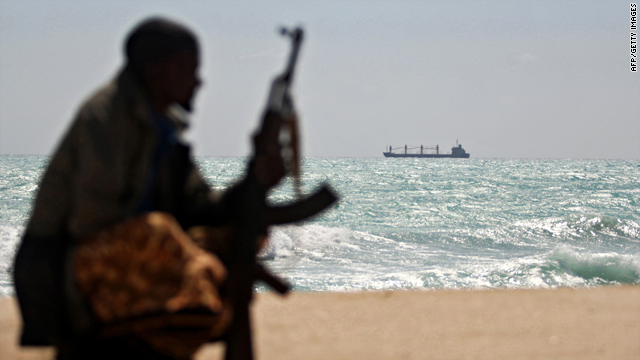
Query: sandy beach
[(598, 323)]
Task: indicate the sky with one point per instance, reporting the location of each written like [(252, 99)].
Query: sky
[(507, 79)]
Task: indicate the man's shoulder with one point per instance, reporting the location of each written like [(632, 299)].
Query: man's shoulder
[(119, 94), (98, 103)]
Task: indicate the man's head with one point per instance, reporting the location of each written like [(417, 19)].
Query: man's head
[(164, 55)]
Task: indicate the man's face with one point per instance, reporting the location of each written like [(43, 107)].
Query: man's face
[(181, 79)]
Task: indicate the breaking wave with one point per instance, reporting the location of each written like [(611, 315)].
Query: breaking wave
[(598, 268)]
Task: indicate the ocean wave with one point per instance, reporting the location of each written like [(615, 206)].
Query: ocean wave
[(580, 226), (564, 266), (9, 239), (286, 240), (598, 268)]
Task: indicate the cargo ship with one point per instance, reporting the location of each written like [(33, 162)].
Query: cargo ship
[(456, 152)]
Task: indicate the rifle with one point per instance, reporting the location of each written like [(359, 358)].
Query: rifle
[(277, 134)]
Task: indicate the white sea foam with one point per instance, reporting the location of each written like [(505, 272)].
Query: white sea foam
[(285, 240), (9, 239)]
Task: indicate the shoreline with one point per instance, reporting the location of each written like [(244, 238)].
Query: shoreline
[(561, 323)]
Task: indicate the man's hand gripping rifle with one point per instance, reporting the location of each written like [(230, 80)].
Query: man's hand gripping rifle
[(275, 154)]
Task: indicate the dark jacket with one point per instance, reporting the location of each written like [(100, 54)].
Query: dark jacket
[(95, 179)]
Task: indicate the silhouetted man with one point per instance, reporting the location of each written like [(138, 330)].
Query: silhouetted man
[(120, 179)]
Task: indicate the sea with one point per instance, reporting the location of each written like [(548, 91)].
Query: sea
[(424, 224)]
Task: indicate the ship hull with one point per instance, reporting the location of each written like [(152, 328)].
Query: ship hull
[(461, 156)]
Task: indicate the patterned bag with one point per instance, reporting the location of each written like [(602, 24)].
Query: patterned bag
[(146, 277)]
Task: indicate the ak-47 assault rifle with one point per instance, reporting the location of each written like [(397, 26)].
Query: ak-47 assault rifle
[(277, 136)]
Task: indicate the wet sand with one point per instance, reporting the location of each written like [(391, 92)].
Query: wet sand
[(600, 323)]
